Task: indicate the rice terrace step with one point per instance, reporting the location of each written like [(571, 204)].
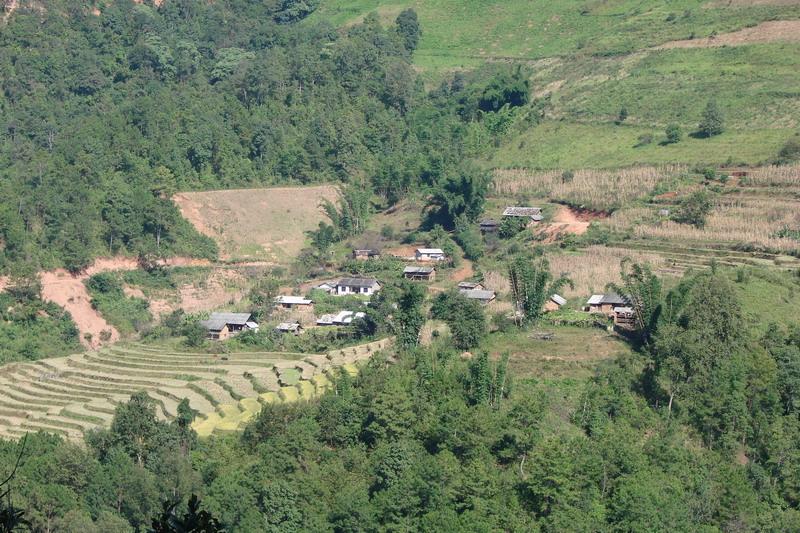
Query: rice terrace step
[(71, 395)]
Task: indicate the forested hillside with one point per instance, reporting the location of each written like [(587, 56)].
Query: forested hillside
[(109, 109)]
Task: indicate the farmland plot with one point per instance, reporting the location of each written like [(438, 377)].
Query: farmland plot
[(71, 395)]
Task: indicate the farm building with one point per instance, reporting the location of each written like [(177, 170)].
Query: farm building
[(327, 286), (343, 318), (221, 326), (364, 286), (417, 273), (489, 226), (533, 213), (429, 254), (470, 285), (289, 302), (363, 254), (289, 327), (624, 317), (605, 303), (554, 303), (482, 296)]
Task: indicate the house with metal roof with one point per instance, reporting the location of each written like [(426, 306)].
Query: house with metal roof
[(288, 302), (605, 303), (483, 296), (289, 327), (342, 318), (365, 253), (362, 286), (533, 213), (470, 285), (220, 326), (429, 254), (554, 303), (489, 225), (419, 273)]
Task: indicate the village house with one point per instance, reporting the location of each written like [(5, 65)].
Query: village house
[(221, 326), (624, 317), (480, 295), (327, 286), (554, 303), (289, 302), (470, 285), (362, 286), (289, 327), (418, 273), (605, 303), (364, 254), (343, 318), (429, 254), (533, 213), (489, 226)]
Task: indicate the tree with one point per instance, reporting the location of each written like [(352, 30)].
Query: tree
[(713, 122), (694, 209), (674, 133), (194, 520), (531, 285), (465, 318), (511, 226), (509, 86), (462, 191), (11, 518), (642, 288), (790, 151), (408, 29)]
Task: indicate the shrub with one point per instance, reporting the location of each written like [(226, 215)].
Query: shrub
[(644, 140), (790, 151), (674, 134), (694, 209)]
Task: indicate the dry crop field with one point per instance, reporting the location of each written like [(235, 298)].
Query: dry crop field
[(71, 395), (599, 190), (257, 224)]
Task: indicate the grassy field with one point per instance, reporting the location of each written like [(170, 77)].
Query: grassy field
[(457, 33), (571, 145), (257, 224), (74, 394)]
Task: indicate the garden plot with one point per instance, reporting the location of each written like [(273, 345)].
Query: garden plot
[(71, 395)]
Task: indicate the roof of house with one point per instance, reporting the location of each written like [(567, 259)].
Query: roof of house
[(237, 319), (357, 282), (288, 326), (418, 270), (611, 298), (477, 294), (213, 325), (252, 325), (368, 251), (489, 222), (469, 285), (430, 251), (292, 300), (341, 318), (522, 212), (623, 310), (560, 300)]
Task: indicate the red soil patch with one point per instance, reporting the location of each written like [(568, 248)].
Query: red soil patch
[(462, 273), (766, 32), (569, 220), (68, 291)]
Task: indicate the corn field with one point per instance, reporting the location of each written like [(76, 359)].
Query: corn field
[(598, 190)]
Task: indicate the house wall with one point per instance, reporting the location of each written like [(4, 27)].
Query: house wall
[(550, 305)]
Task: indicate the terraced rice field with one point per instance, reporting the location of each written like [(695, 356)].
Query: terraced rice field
[(71, 395)]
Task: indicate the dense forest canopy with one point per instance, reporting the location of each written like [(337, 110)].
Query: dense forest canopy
[(106, 110)]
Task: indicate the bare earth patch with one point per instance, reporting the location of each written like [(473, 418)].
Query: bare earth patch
[(257, 224), (68, 291), (766, 32)]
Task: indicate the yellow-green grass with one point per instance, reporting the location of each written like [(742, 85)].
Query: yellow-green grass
[(77, 393), (458, 33), (573, 352), (569, 145)]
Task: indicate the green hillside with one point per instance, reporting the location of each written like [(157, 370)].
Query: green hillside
[(589, 59)]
